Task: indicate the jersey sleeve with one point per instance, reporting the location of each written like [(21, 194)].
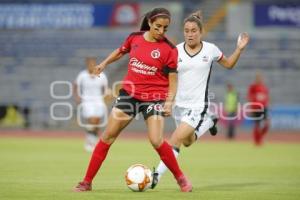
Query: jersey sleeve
[(171, 64), (126, 46), (217, 53)]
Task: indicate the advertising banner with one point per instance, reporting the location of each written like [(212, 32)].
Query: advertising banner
[(281, 118), (30, 16), (276, 15)]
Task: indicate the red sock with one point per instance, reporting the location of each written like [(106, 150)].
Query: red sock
[(167, 156), (98, 157), (256, 134), (265, 129)]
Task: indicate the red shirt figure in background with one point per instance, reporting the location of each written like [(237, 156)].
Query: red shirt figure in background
[(258, 96)]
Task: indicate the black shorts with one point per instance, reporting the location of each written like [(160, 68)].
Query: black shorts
[(260, 115), (132, 106)]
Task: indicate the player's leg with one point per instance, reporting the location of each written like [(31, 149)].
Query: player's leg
[(257, 136), (120, 116), (209, 122), (202, 122), (92, 112), (155, 125), (92, 133), (231, 128), (117, 121), (256, 132), (161, 168), (266, 123), (184, 134), (86, 111), (265, 128), (187, 133), (98, 118), (179, 137)]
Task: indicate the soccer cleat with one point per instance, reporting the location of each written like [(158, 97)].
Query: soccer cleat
[(154, 178), (184, 184), (214, 130), (83, 187)]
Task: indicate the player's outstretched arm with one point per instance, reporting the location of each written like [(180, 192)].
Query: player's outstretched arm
[(242, 42), (114, 56)]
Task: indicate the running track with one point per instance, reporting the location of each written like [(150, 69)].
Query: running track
[(277, 137)]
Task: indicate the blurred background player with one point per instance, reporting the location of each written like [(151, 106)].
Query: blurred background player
[(258, 96), (231, 101), (195, 60), (90, 92)]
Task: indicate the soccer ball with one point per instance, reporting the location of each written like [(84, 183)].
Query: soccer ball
[(138, 178)]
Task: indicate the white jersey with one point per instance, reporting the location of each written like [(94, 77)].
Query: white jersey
[(193, 75), (90, 87)]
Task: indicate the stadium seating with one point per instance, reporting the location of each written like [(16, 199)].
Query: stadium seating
[(30, 60)]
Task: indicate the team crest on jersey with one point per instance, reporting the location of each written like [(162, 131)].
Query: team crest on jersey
[(155, 54), (205, 58), (179, 60)]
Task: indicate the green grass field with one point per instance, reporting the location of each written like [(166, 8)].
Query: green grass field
[(49, 168)]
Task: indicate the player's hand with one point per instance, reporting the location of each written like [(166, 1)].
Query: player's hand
[(98, 69), (167, 109), (243, 40)]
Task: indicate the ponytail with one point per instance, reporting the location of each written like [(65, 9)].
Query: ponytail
[(195, 17), (145, 25)]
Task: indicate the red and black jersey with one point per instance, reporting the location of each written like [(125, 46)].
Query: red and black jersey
[(148, 67), (258, 93)]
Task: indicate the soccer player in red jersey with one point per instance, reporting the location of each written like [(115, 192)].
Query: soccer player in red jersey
[(258, 96), (149, 87)]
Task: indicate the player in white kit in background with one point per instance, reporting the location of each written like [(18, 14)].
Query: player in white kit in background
[(195, 60), (89, 92)]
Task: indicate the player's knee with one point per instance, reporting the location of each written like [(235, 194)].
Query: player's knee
[(109, 137), (156, 142), (187, 142)]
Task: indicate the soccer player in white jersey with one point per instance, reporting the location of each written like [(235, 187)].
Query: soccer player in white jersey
[(89, 91), (195, 60)]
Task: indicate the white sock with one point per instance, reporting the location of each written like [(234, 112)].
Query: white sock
[(206, 124), (91, 138), (162, 168)]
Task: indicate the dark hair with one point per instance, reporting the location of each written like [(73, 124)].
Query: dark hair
[(195, 17), (152, 15)]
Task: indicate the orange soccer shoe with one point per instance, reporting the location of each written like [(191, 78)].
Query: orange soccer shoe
[(83, 187), (184, 184)]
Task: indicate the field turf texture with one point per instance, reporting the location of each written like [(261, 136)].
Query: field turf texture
[(48, 168)]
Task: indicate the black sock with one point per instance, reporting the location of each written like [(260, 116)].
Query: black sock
[(176, 149)]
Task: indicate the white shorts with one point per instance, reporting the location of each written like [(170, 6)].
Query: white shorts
[(92, 109), (193, 117)]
